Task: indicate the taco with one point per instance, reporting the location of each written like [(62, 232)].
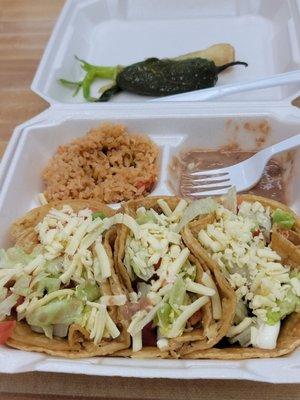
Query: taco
[(175, 298), (59, 284), (256, 246)]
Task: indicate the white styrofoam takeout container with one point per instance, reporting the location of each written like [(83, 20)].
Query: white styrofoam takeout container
[(265, 33), (173, 128), (115, 31)]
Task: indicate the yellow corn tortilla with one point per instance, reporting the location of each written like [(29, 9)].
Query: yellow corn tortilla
[(288, 341), (289, 337), (198, 336), (78, 344), (146, 352)]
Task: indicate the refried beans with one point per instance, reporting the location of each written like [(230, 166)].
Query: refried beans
[(271, 184)]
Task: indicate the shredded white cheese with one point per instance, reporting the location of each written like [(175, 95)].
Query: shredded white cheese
[(103, 260), (199, 289), (137, 344), (49, 297), (114, 300), (216, 301)]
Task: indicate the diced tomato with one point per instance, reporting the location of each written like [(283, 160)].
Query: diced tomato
[(195, 318), (146, 185), (140, 184), (256, 232), (6, 330), (149, 336), (149, 185)]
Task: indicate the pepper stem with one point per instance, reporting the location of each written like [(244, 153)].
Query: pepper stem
[(92, 72), (222, 67)]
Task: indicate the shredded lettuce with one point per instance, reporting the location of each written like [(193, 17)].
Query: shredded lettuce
[(243, 338), (98, 214), (60, 330), (170, 310), (265, 336), (16, 255), (3, 293), (54, 267), (127, 263), (188, 271), (21, 286), (58, 311), (88, 291), (283, 219), (196, 208), (179, 324), (240, 312), (48, 284), (177, 293), (145, 217), (36, 329), (295, 274), (7, 304), (163, 318), (141, 269), (85, 315), (289, 304), (48, 331), (169, 317), (4, 260), (230, 200)]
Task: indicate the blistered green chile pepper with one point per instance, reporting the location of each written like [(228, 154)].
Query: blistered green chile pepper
[(151, 77)]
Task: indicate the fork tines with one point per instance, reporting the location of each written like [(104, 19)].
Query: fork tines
[(204, 183)]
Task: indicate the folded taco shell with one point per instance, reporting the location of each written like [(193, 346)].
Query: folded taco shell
[(77, 344), (289, 337), (211, 331)]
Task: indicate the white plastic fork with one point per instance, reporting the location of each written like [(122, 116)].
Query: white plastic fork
[(243, 175), (236, 87)]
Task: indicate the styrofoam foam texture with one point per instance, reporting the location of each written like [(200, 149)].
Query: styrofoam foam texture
[(265, 33), (172, 130)]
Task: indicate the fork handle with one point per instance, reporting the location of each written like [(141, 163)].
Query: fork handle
[(288, 144), (237, 87)]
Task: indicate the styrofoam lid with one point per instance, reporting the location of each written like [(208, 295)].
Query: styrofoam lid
[(111, 32)]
